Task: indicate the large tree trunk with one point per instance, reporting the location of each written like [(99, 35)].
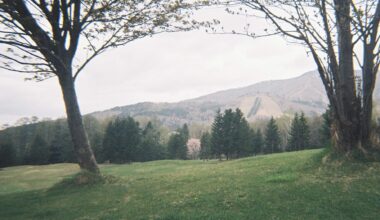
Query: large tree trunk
[(347, 107), (80, 140)]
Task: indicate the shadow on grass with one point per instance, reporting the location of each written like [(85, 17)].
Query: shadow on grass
[(81, 196), (85, 179)]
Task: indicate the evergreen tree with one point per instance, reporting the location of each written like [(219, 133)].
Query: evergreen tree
[(294, 142), (184, 137), (177, 144), (228, 133), (272, 137), (121, 140), (150, 146), (299, 133), (39, 151), (206, 145), (173, 145), (241, 135), (326, 127), (217, 135), (304, 132), (257, 142), (7, 153), (55, 153)]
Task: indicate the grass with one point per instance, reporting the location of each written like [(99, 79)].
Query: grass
[(280, 186)]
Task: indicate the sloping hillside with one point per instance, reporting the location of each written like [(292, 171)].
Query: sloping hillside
[(261, 100), (280, 186)]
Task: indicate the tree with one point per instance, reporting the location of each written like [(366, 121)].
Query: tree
[(44, 38), (206, 145), (326, 127), (217, 135), (257, 142), (305, 132), (272, 137), (241, 135), (299, 133), (338, 34), (39, 151), (295, 134), (193, 148), (177, 144), (55, 153), (7, 152), (150, 147), (121, 140), (230, 134)]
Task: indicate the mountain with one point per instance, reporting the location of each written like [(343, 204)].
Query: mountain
[(261, 100)]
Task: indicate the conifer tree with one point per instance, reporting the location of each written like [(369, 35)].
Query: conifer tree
[(326, 127), (305, 132), (150, 146), (294, 140), (7, 152), (299, 133), (272, 137), (122, 140), (177, 144), (206, 146), (217, 135), (39, 151), (257, 142)]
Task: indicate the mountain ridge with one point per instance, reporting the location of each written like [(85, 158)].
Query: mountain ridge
[(260, 100)]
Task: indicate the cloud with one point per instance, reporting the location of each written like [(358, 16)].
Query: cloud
[(166, 67)]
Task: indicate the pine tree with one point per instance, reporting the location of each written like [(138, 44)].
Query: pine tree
[(217, 135), (304, 132), (294, 141), (326, 127), (150, 146), (228, 133), (242, 135), (39, 151), (177, 144), (257, 142), (206, 146), (184, 137), (299, 133), (272, 137), (7, 153), (121, 140), (55, 153)]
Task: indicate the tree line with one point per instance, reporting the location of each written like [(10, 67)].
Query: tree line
[(232, 137), (124, 140)]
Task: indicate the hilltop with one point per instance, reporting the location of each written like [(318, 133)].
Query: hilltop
[(258, 101)]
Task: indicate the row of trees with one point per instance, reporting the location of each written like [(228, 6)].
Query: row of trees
[(120, 140), (232, 137), (124, 140)]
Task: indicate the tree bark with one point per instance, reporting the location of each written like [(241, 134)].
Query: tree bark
[(80, 140), (347, 120)]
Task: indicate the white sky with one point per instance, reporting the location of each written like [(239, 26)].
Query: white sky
[(164, 68)]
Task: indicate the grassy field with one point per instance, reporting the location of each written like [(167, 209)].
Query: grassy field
[(280, 186)]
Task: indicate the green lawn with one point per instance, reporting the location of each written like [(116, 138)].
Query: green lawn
[(279, 186)]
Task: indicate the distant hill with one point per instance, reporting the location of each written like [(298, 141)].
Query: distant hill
[(261, 100)]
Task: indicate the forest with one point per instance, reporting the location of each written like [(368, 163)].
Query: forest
[(125, 140)]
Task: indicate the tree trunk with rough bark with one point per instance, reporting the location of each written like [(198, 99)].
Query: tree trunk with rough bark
[(347, 105), (80, 140)]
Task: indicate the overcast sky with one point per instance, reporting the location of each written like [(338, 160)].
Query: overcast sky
[(164, 68)]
